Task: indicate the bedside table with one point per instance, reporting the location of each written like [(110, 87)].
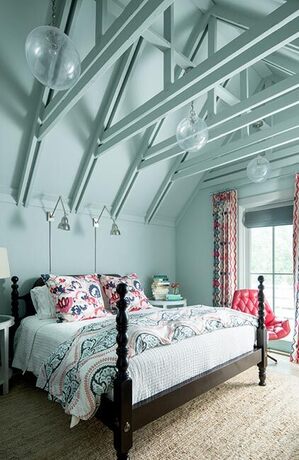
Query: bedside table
[(6, 322), (169, 303)]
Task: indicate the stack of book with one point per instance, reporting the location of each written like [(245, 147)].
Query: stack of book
[(160, 287), (174, 297)]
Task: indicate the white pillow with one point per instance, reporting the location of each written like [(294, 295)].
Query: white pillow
[(43, 302)]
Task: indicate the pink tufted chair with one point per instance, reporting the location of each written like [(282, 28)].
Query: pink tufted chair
[(246, 300)]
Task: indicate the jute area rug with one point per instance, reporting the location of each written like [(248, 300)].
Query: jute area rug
[(237, 420)]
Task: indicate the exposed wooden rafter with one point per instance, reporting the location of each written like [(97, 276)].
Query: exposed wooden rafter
[(268, 102), (209, 109), (41, 95), (244, 22), (191, 49), (159, 41), (104, 119), (281, 27), (125, 30), (270, 138)]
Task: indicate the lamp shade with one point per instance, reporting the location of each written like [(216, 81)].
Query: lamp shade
[(64, 224), (115, 230), (4, 265)]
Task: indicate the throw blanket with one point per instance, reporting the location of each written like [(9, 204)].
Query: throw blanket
[(83, 367)]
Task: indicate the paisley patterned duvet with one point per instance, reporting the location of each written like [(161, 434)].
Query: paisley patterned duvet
[(83, 367)]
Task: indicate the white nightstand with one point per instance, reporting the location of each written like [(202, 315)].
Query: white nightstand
[(169, 303), (6, 322)]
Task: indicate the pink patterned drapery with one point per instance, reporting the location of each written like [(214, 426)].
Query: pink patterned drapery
[(295, 346), (225, 247)]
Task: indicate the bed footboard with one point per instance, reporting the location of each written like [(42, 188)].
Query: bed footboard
[(123, 433)]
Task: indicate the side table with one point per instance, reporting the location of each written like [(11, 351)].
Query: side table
[(6, 322), (169, 303)]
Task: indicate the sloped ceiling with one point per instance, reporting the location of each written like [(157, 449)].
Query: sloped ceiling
[(58, 166)]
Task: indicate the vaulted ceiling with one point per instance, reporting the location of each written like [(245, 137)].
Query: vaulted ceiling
[(111, 138)]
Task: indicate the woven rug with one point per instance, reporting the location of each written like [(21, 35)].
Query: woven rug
[(237, 420)]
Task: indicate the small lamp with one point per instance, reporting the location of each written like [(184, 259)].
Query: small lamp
[(114, 229), (113, 232), (4, 264), (64, 223)]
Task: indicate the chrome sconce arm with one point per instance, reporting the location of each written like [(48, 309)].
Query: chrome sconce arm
[(64, 223)]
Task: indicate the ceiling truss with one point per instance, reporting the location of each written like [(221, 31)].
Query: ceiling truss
[(121, 42)]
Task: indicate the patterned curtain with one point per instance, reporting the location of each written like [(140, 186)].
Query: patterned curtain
[(225, 247), (295, 346)]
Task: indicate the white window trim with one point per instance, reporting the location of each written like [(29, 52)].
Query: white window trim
[(266, 199)]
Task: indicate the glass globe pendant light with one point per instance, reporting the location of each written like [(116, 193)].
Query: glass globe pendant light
[(258, 169), (52, 56), (192, 133)]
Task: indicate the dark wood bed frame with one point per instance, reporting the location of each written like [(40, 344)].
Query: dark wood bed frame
[(123, 417)]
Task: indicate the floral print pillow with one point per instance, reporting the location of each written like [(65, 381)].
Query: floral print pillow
[(76, 297), (136, 298)]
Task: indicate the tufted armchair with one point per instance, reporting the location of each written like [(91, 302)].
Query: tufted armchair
[(246, 300)]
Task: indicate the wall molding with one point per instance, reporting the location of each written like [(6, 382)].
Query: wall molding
[(47, 203)]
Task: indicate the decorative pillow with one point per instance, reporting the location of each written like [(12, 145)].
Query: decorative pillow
[(76, 297), (43, 302), (136, 298)]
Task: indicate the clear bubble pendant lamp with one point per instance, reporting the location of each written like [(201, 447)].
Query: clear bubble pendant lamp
[(52, 56), (258, 169), (192, 132)]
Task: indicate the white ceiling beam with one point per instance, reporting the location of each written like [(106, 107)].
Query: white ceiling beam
[(282, 63), (101, 19), (168, 180), (241, 21), (190, 50), (278, 169), (156, 39), (244, 94), (161, 193), (275, 30), (259, 98), (284, 156), (125, 30), (106, 112), (67, 17), (281, 134), (212, 49), (226, 96), (161, 152), (168, 54)]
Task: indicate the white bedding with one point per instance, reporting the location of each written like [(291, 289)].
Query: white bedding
[(36, 339)]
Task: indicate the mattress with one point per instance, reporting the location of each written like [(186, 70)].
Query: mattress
[(36, 339)]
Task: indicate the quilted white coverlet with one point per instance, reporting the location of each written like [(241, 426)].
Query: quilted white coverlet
[(37, 339)]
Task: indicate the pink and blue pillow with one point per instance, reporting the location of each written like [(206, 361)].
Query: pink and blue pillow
[(136, 298), (76, 298)]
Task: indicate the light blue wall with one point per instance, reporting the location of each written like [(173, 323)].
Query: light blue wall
[(194, 235), (144, 249)]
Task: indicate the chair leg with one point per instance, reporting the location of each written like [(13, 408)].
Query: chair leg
[(273, 359)]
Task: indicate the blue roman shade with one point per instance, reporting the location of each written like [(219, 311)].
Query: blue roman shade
[(271, 217)]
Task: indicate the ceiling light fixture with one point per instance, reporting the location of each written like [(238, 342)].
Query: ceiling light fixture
[(192, 132), (52, 56), (258, 169)]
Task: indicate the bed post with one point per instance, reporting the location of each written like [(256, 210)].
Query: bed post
[(15, 300), (123, 438), (15, 313), (262, 333)]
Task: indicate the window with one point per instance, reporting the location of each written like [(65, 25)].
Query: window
[(270, 255)]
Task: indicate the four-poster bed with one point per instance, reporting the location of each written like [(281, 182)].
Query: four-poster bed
[(123, 416)]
